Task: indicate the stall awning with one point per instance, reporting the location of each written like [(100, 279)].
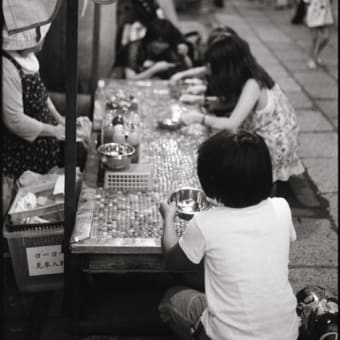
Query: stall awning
[(21, 15)]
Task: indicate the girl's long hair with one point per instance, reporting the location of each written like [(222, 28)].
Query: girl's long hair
[(232, 64)]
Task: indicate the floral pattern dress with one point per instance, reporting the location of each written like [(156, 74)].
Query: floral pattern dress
[(277, 124)]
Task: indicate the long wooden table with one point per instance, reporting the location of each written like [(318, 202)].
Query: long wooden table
[(118, 231), (171, 158)]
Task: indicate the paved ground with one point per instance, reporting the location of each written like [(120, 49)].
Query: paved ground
[(283, 50)]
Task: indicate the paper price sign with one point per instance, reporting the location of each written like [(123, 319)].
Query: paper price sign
[(45, 260)]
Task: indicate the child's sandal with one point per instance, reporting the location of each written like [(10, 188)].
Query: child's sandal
[(311, 64)]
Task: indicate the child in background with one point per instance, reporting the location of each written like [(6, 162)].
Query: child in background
[(319, 18), (244, 244), (259, 104), (162, 52), (200, 71)]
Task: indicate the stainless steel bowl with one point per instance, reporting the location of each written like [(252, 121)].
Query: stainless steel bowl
[(169, 124), (189, 201), (116, 156)]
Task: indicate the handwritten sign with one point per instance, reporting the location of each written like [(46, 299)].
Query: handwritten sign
[(45, 260)]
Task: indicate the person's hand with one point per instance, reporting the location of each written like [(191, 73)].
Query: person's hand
[(59, 131), (191, 99), (198, 89), (84, 121), (168, 211), (191, 117), (84, 127), (161, 66), (148, 63), (174, 79), (182, 49)]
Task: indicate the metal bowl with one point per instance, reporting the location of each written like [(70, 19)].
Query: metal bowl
[(189, 201), (169, 124), (116, 156)]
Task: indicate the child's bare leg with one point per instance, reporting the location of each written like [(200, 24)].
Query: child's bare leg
[(316, 43), (312, 61), (323, 41)]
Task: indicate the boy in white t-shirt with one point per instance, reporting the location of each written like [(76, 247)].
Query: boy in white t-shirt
[(244, 244)]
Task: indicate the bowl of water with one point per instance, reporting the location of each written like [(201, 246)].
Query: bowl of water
[(189, 201)]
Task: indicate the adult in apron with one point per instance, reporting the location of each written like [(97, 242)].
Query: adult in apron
[(25, 107), (19, 155)]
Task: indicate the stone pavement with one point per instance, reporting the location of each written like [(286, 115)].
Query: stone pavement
[(282, 49)]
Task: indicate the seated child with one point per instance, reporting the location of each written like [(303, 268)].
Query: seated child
[(244, 244), (162, 52), (260, 105)]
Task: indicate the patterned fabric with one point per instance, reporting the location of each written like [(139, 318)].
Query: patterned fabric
[(319, 13), (19, 155), (277, 124)]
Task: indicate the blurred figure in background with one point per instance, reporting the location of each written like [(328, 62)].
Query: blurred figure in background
[(161, 52), (133, 17), (319, 18)]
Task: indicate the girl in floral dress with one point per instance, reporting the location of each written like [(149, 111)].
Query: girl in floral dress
[(261, 106)]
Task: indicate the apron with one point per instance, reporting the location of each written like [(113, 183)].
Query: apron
[(19, 155)]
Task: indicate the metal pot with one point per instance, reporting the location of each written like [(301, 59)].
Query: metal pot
[(116, 156)]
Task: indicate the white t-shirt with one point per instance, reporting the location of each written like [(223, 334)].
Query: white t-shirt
[(246, 255)]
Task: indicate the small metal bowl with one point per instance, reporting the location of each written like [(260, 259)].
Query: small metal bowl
[(116, 156), (169, 124), (189, 201)]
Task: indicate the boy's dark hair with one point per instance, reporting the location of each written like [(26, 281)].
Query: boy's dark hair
[(232, 64), (235, 168)]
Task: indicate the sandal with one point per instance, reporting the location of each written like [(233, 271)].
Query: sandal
[(311, 64)]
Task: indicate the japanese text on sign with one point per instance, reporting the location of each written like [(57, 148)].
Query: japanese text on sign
[(45, 260)]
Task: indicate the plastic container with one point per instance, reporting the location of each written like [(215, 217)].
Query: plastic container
[(37, 260), (136, 177), (54, 206)]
